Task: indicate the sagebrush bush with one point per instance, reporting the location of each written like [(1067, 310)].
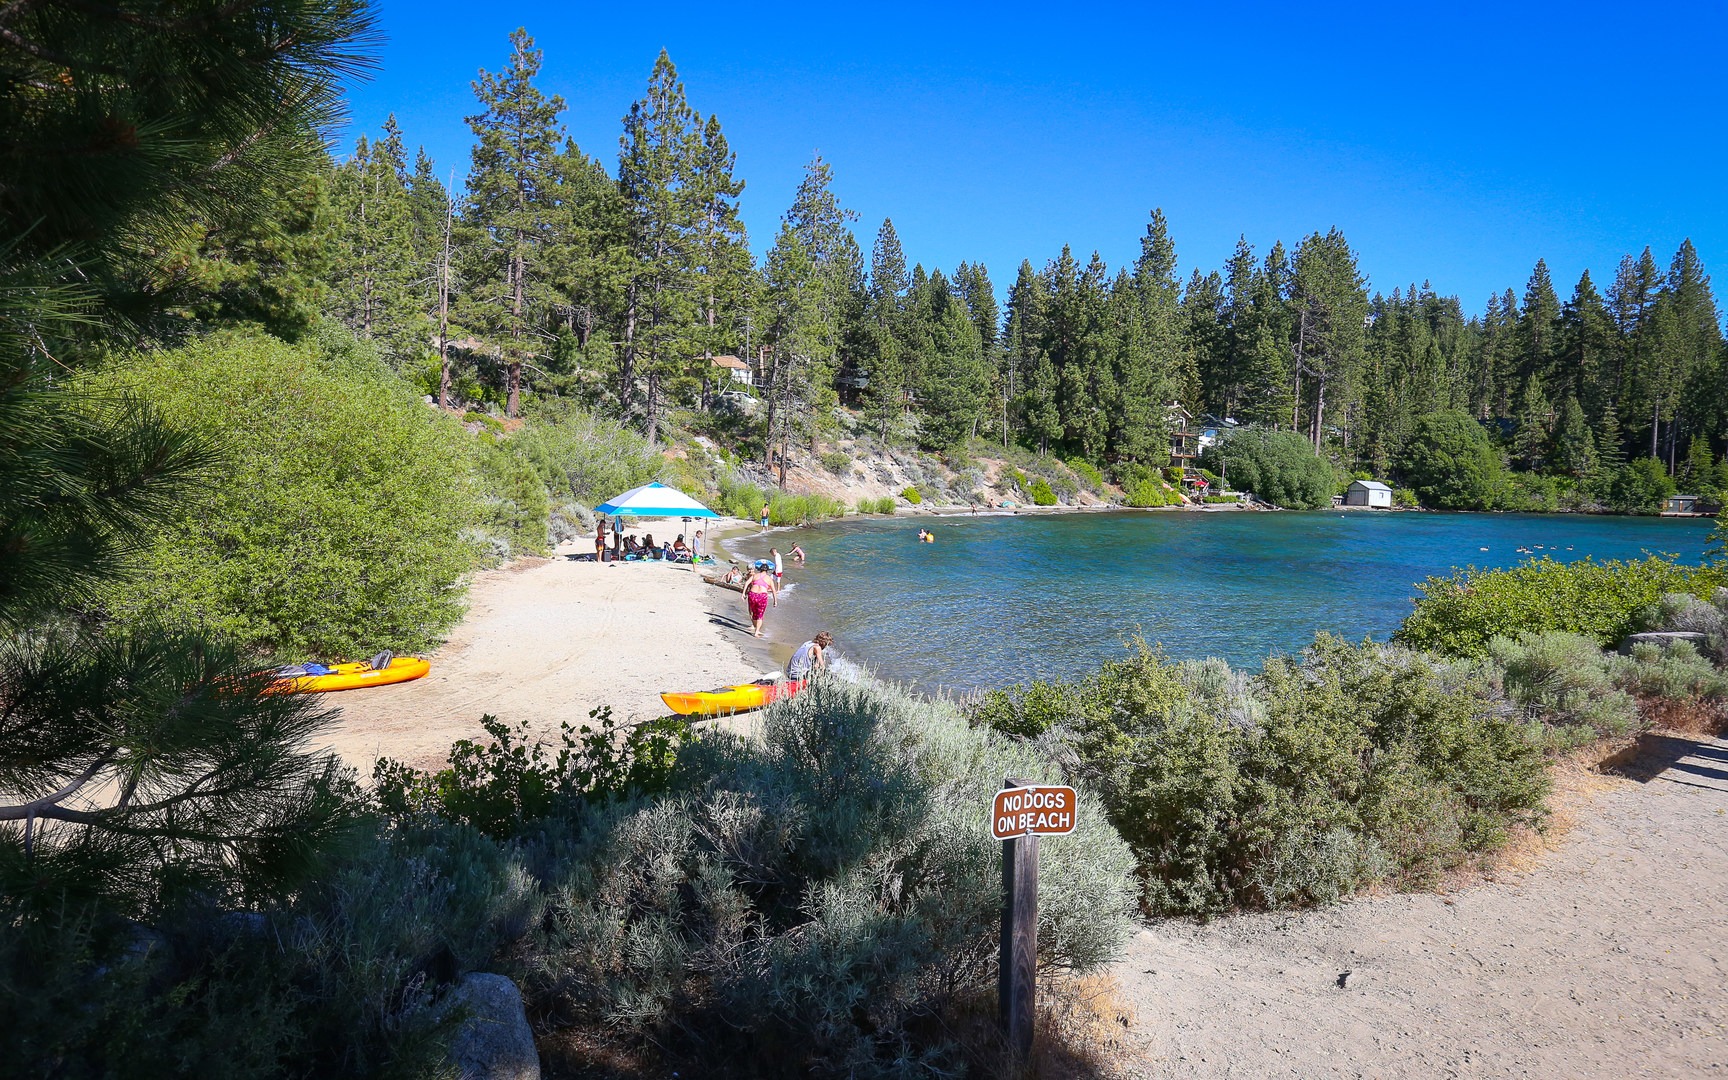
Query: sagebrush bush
[(807, 902), (345, 981), (1566, 682), (1349, 765)]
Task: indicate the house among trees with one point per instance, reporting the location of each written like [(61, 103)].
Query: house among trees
[(1184, 442), (736, 368), (1370, 493)]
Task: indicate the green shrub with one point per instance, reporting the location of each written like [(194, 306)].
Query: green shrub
[(1458, 615), (335, 525), (583, 456), (345, 981), (1088, 474), (1215, 499), (1278, 466), (1041, 494), (1451, 462), (911, 495), (1564, 681), (1637, 487), (837, 463), (885, 505), (515, 503), (1147, 494), (1351, 765), (813, 902), (1173, 475), (1404, 498)]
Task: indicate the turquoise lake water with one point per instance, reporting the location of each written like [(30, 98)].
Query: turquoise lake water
[(1000, 600)]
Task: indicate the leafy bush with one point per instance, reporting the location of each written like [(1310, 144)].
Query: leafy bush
[(1040, 494), (911, 495), (515, 503), (334, 525), (1214, 499), (1148, 494), (501, 785), (1451, 462), (1278, 466), (808, 902), (1565, 681), (836, 462), (582, 456), (738, 498), (1353, 764), (1458, 615), (885, 505), (343, 982), (1088, 474), (1637, 487)]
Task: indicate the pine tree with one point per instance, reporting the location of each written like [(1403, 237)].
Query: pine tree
[(660, 157), (1538, 329), (510, 180), (1574, 448), (822, 226), (134, 768), (376, 265), (884, 367)]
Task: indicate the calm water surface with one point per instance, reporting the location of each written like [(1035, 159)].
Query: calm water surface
[(999, 600)]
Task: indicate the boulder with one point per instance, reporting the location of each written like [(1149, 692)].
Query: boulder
[(1664, 638), (493, 1040)]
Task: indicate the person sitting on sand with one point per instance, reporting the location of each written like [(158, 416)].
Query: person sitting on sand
[(649, 551), (759, 588), (810, 657), (798, 554), (678, 547)]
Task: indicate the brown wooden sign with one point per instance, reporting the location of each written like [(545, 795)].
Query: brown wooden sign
[(1041, 810)]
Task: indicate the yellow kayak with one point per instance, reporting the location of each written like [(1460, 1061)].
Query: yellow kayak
[(730, 699), (318, 678)]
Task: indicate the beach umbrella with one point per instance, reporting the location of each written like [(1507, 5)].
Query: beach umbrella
[(655, 500)]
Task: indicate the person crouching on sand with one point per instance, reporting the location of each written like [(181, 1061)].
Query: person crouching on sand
[(810, 657), (797, 554), (759, 588)]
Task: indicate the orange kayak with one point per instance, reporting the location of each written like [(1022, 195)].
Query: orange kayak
[(316, 678), (730, 699)]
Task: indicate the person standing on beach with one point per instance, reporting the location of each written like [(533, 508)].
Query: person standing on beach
[(696, 547), (810, 657), (600, 540), (759, 588), (764, 516)]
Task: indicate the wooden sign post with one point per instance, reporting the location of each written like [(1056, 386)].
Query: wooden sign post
[(1022, 812)]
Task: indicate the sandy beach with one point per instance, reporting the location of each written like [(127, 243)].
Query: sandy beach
[(546, 640)]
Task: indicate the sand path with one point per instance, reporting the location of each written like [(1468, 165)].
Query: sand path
[(1609, 958), (546, 640)]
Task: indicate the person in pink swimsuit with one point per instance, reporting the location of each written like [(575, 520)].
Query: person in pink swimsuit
[(759, 589)]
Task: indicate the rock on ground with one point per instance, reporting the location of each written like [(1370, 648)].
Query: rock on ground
[(494, 1041)]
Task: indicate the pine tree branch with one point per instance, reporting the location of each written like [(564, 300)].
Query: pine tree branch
[(48, 804)]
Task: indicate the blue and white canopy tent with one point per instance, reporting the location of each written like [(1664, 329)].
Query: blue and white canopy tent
[(655, 500)]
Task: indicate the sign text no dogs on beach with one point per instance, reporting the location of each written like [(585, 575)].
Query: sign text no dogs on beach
[(1042, 810)]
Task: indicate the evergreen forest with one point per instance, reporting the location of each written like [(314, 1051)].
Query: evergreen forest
[(614, 282)]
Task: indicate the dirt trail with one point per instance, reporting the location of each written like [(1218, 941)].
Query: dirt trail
[(1609, 958)]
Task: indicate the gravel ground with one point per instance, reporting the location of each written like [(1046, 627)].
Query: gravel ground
[(1605, 957)]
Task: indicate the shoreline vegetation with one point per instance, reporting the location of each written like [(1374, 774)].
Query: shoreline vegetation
[(260, 405)]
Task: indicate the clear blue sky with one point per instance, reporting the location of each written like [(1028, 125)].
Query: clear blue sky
[(1456, 145)]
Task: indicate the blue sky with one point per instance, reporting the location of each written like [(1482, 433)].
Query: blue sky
[(1455, 146)]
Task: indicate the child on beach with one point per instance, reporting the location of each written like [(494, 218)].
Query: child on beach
[(764, 515), (779, 571), (798, 554)]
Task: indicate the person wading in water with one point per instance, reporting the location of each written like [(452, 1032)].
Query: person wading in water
[(759, 588)]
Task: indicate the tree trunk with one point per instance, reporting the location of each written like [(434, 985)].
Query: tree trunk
[(1319, 412), (653, 407), (627, 362)]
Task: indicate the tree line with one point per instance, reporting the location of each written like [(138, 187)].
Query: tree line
[(556, 276)]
